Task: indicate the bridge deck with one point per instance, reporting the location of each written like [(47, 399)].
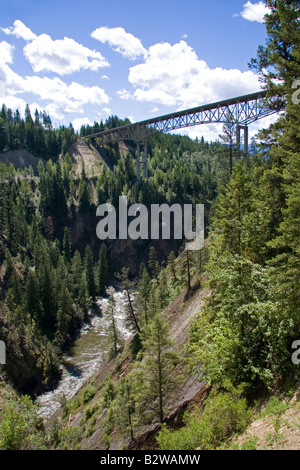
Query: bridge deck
[(243, 109)]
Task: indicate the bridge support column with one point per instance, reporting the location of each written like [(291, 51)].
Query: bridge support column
[(246, 140), (138, 163), (238, 138), (145, 161)]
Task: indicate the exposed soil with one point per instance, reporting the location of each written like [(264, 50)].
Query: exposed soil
[(20, 159), (276, 431), (93, 160)]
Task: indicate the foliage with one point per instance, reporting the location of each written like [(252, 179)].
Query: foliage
[(20, 426), (224, 415)]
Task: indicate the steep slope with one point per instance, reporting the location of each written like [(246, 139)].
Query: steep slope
[(93, 160), (86, 420), (276, 427), (20, 158)]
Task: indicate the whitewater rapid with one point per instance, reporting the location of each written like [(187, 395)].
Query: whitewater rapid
[(86, 355)]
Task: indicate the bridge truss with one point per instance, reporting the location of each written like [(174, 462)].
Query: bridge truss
[(242, 111)]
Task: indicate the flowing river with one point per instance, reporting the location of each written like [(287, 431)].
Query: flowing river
[(86, 355)]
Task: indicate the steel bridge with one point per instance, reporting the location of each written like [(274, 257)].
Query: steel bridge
[(242, 110)]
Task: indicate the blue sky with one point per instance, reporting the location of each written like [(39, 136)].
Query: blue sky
[(85, 60)]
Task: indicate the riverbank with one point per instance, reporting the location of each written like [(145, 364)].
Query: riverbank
[(84, 357)]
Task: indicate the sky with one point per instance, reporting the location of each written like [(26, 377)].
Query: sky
[(83, 61)]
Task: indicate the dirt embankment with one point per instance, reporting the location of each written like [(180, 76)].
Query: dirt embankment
[(277, 427), (93, 160), (20, 159)]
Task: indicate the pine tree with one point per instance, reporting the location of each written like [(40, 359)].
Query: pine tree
[(228, 137), (144, 287), (125, 416), (155, 370), (126, 286), (171, 266), (153, 263), (186, 269), (67, 248), (76, 273), (112, 331), (65, 315), (32, 296), (102, 269), (89, 271)]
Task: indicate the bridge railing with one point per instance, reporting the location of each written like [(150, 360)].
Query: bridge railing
[(243, 110)]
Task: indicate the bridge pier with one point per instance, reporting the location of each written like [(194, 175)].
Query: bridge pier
[(238, 138), (138, 163)]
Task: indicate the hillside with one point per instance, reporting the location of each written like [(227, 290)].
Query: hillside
[(20, 158), (275, 427), (93, 161), (89, 426)]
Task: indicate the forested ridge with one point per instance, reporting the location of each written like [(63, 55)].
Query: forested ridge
[(249, 269)]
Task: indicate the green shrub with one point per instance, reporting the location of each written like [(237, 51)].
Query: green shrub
[(108, 392), (224, 415), (88, 393), (20, 426), (90, 411)]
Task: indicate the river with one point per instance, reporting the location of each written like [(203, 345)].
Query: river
[(85, 357)]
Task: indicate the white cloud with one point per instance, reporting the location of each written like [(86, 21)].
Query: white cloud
[(175, 76), (6, 52), (121, 41), (254, 11), (125, 94), (78, 122), (62, 56), (210, 132), (105, 77), (60, 98), (106, 110), (20, 31)]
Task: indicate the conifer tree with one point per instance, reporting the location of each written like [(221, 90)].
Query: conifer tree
[(126, 286), (171, 266), (144, 287), (67, 249), (89, 271), (32, 296), (112, 331), (154, 372), (102, 269), (153, 263), (125, 415)]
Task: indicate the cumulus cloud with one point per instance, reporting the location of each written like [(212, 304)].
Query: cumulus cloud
[(20, 31), (175, 76), (60, 97), (78, 122), (121, 41), (210, 132), (62, 56), (254, 11), (6, 52)]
